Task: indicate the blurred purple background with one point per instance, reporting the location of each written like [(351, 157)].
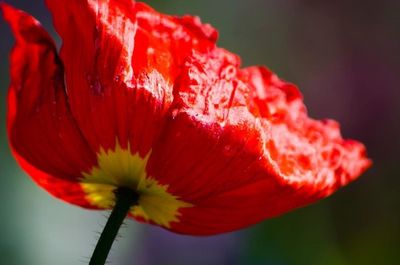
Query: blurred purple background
[(344, 56)]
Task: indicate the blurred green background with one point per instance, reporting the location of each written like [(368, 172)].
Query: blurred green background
[(345, 57)]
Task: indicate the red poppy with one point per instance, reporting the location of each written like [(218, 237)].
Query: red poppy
[(147, 101)]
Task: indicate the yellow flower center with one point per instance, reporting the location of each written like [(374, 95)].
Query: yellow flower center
[(120, 168)]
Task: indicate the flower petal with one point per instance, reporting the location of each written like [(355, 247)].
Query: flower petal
[(121, 60), (64, 189), (239, 147), (40, 126), (305, 152)]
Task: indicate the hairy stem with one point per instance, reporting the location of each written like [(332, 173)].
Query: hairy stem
[(125, 199)]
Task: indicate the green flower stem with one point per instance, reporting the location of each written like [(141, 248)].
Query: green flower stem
[(125, 199)]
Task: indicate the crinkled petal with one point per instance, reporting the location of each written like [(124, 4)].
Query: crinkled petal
[(240, 147), (305, 153)]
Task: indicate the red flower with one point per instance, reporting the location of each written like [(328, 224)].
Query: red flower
[(147, 101)]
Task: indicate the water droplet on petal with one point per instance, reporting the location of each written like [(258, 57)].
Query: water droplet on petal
[(174, 113), (150, 51), (94, 84), (228, 72), (228, 150)]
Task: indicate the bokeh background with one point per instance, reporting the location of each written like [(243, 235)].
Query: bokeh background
[(345, 57)]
